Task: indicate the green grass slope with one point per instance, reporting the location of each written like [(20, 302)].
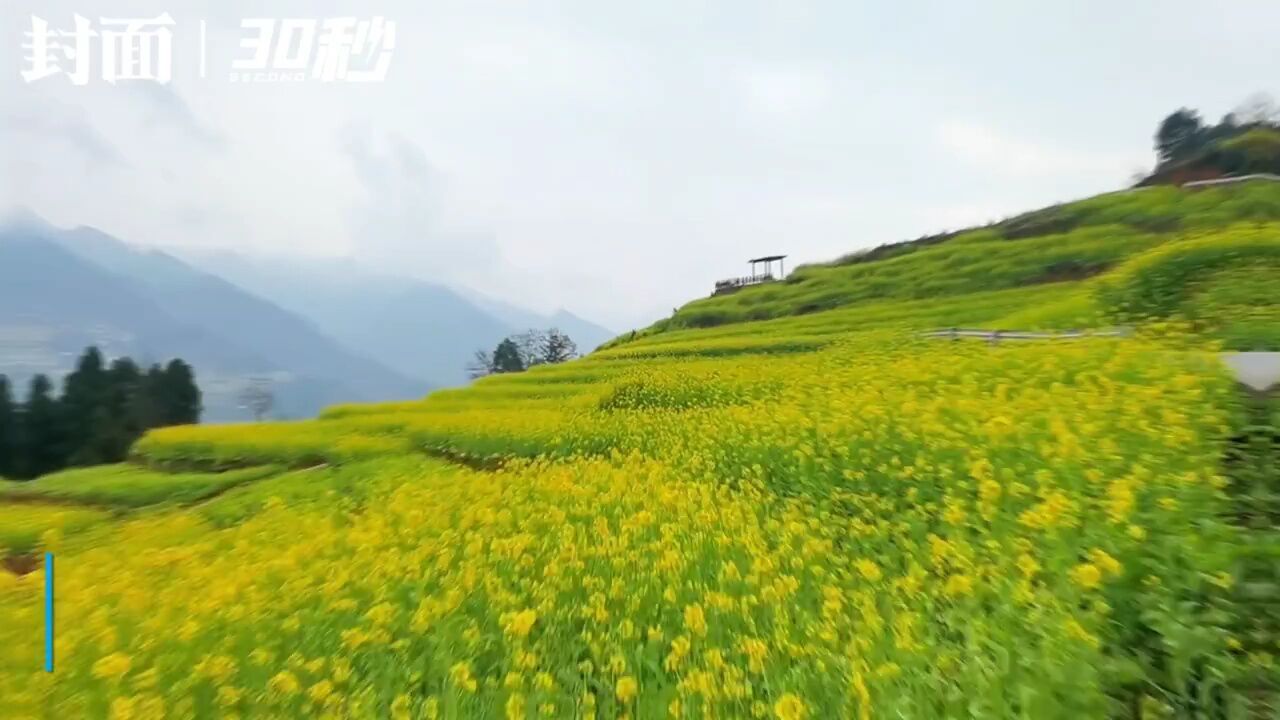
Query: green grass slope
[(126, 486), (1065, 245)]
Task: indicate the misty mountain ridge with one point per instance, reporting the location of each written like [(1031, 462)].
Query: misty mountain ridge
[(422, 329), (587, 334), (63, 289)]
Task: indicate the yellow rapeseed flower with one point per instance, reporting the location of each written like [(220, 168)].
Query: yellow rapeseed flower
[(515, 706), (626, 689), (790, 707), (869, 569), (283, 683), (401, 707), (460, 674), (320, 691), (519, 624), (228, 696), (112, 667), (695, 620), (1086, 575)]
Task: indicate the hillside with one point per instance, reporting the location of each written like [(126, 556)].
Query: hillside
[(786, 502), (70, 288), (1063, 246)]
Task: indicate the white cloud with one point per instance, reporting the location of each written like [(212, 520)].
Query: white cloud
[(613, 158), (786, 92), (396, 222), (169, 107), (50, 121)]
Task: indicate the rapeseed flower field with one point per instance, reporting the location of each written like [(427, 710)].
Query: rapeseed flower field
[(780, 503), (885, 527)]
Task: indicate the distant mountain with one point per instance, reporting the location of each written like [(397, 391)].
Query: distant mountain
[(421, 329), (53, 303), (586, 334), (63, 289)]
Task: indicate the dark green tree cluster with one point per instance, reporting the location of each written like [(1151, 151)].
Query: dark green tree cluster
[(1247, 139), (102, 410), (522, 351)]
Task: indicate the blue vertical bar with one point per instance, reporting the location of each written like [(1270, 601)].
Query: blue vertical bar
[(48, 612)]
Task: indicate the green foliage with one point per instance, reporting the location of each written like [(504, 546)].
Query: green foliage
[(177, 395), (767, 345), (301, 443), (1076, 309), (116, 421), (22, 526), (699, 387), (128, 486), (506, 357), (971, 310), (101, 412), (9, 428), (1217, 281), (524, 351), (1180, 133), (83, 408), (1239, 305), (1246, 141), (42, 435), (337, 490), (346, 410), (1255, 151)]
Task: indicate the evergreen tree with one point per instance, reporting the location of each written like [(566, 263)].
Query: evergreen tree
[(119, 422), (148, 402), (83, 395), (1179, 134), (102, 411), (506, 357), (8, 431), (44, 443), (181, 398)]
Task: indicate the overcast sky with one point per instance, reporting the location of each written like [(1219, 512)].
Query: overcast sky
[(616, 158)]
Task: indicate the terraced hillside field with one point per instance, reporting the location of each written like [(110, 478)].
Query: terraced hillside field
[(819, 513)]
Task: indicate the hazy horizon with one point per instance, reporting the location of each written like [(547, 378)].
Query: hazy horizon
[(329, 267)]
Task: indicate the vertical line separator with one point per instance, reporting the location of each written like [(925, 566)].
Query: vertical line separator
[(48, 612)]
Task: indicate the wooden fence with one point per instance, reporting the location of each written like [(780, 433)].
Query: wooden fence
[(1231, 180), (995, 336)]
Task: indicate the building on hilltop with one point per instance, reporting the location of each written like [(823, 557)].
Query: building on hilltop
[(758, 275)]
